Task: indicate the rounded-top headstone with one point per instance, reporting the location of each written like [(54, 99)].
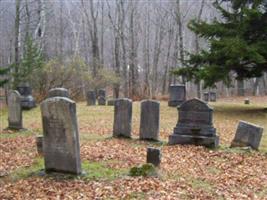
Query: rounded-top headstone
[(58, 92), (14, 110)]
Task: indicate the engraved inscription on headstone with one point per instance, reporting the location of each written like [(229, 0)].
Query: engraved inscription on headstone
[(61, 138), (195, 125), (14, 110)]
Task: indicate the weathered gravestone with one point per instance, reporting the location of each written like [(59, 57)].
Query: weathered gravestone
[(153, 156), (149, 123), (177, 95), (122, 126), (206, 96), (101, 93), (14, 110), (27, 100), (91, 98), (195, 125), (213, 96), (58, 92), (247, 101), (247, 134), (39, 144), (101, 101), (61, 137)]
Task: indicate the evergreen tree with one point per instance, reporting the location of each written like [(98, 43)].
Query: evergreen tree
[(3, 76), (237, 44)]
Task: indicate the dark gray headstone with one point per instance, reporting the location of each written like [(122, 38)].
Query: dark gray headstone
[(153, 156), (14, 110), (61, 137), (27, 100), (101, 101), (247, 101), (91, 98), (177, 95), (39, 144), (247, 134), (101, 93), (122, 126), (58, 92), (213, 96), (111, 102), (149, 123), (206, 96), (195, 125)]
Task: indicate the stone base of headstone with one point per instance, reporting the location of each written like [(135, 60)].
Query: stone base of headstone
[(39, 144), (211, 142), (111, 102), (174, 103), (153, 156), (15, 128)]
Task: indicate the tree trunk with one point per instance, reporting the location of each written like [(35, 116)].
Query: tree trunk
[(17, 43)]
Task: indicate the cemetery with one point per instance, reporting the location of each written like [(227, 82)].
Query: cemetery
[(133, 99)]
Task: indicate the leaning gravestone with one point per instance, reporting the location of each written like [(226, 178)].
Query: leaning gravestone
[(177, 95), (247, 134), (122, 126), (27, 100), (195, 125), (58, 92), (14, 111), (61, 146), (149, 123), (91, 98), (213, 96)]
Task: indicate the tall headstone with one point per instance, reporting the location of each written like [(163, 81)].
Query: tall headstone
[(247, 134), (101, 97), (27, 100), (195, 125), (122, 125), (14, 110), (61, 146), (91, 98), (58, 92), (177, 95), (149, 123), (206, 96), (213, 96)]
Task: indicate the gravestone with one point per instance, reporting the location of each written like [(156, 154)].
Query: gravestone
[(91, 98), (101, 101), (247, 134), (195, 125), (177, 95), (58, 92), (153, 156), (122, 125), (206, 96), (27, 100), (14, 110), (247, 101), (61, 137), (213, 96), (39, 144), (111, 102), (149, 123), (101, 93)]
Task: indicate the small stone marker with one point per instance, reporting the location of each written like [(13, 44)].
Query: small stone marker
[(247, 134), (39, 144), (122, 126), (27, 100), (247, 101), (149, 123), (101, 101), (58, 92), (111, 102), (14, 111), (213, 96), (91, 98), (177, 95), (153, 156), (206, 96), (195, 125), (61, 137)]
